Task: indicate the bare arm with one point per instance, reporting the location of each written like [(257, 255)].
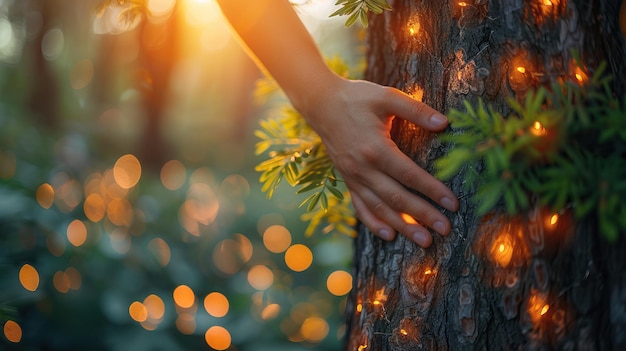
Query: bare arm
[(353, 119)]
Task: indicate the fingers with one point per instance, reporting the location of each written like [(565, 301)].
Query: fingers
[(371, 208), (406, 172), (403, 106), (378, 227)]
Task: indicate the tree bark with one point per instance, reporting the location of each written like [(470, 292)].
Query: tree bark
[(562, 286)]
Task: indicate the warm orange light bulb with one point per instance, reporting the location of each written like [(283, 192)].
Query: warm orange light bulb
[(545, 309), (547, 2), (359, 307), (538, 129), (462, 4), (404, 332), (502, 250), (554, 219), (362, 347), (521, 69)]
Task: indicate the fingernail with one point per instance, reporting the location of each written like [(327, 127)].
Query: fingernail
[(437, 121), (440, 227), (421, 238), (447, 203), (384, 234)]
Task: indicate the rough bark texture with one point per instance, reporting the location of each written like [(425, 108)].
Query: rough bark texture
[(562, 287)]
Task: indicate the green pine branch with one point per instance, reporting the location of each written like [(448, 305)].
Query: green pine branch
[(357, 10), (565, 145), (294, 152)]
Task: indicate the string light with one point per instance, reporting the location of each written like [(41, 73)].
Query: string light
[(537, 306), (502, 249), (463, 4), (414, 27), (362, 347), (521, 69), (538, 129)]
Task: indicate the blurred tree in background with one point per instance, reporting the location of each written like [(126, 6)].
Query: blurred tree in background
[(130, 216)]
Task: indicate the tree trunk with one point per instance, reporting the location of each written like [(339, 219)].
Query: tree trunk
[(562, 285)]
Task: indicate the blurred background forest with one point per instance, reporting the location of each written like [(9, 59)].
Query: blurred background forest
[(131, 217)]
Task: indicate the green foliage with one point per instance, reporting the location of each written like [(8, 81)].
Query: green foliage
[(297, 155), (564, 145), (357, 10)]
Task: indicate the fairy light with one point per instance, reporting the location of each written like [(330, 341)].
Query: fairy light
[(521, 69), (502, 249), (414, 27), (362, 347), (554, 219), (404, 332), (537, 306), (580, 75), (359, 308), (538, 129), (463, 4)]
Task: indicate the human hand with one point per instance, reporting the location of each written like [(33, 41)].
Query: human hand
[(353, 118)]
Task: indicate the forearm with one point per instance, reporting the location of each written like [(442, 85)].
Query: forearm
[(277, 38)]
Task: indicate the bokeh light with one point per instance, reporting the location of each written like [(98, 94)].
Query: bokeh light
[(270, 311), (29, 277), (218, 338), (184, 296), (154, 306), (61, 282), (12, 331), (339, 283), (186, 323), (161, 251), (77, 233), (260, 277), (173, 174), (216, 304), (298, 257), (127, 171), (45, 195), (94, 207), (276, 238), (138, 312), (314, 329)]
